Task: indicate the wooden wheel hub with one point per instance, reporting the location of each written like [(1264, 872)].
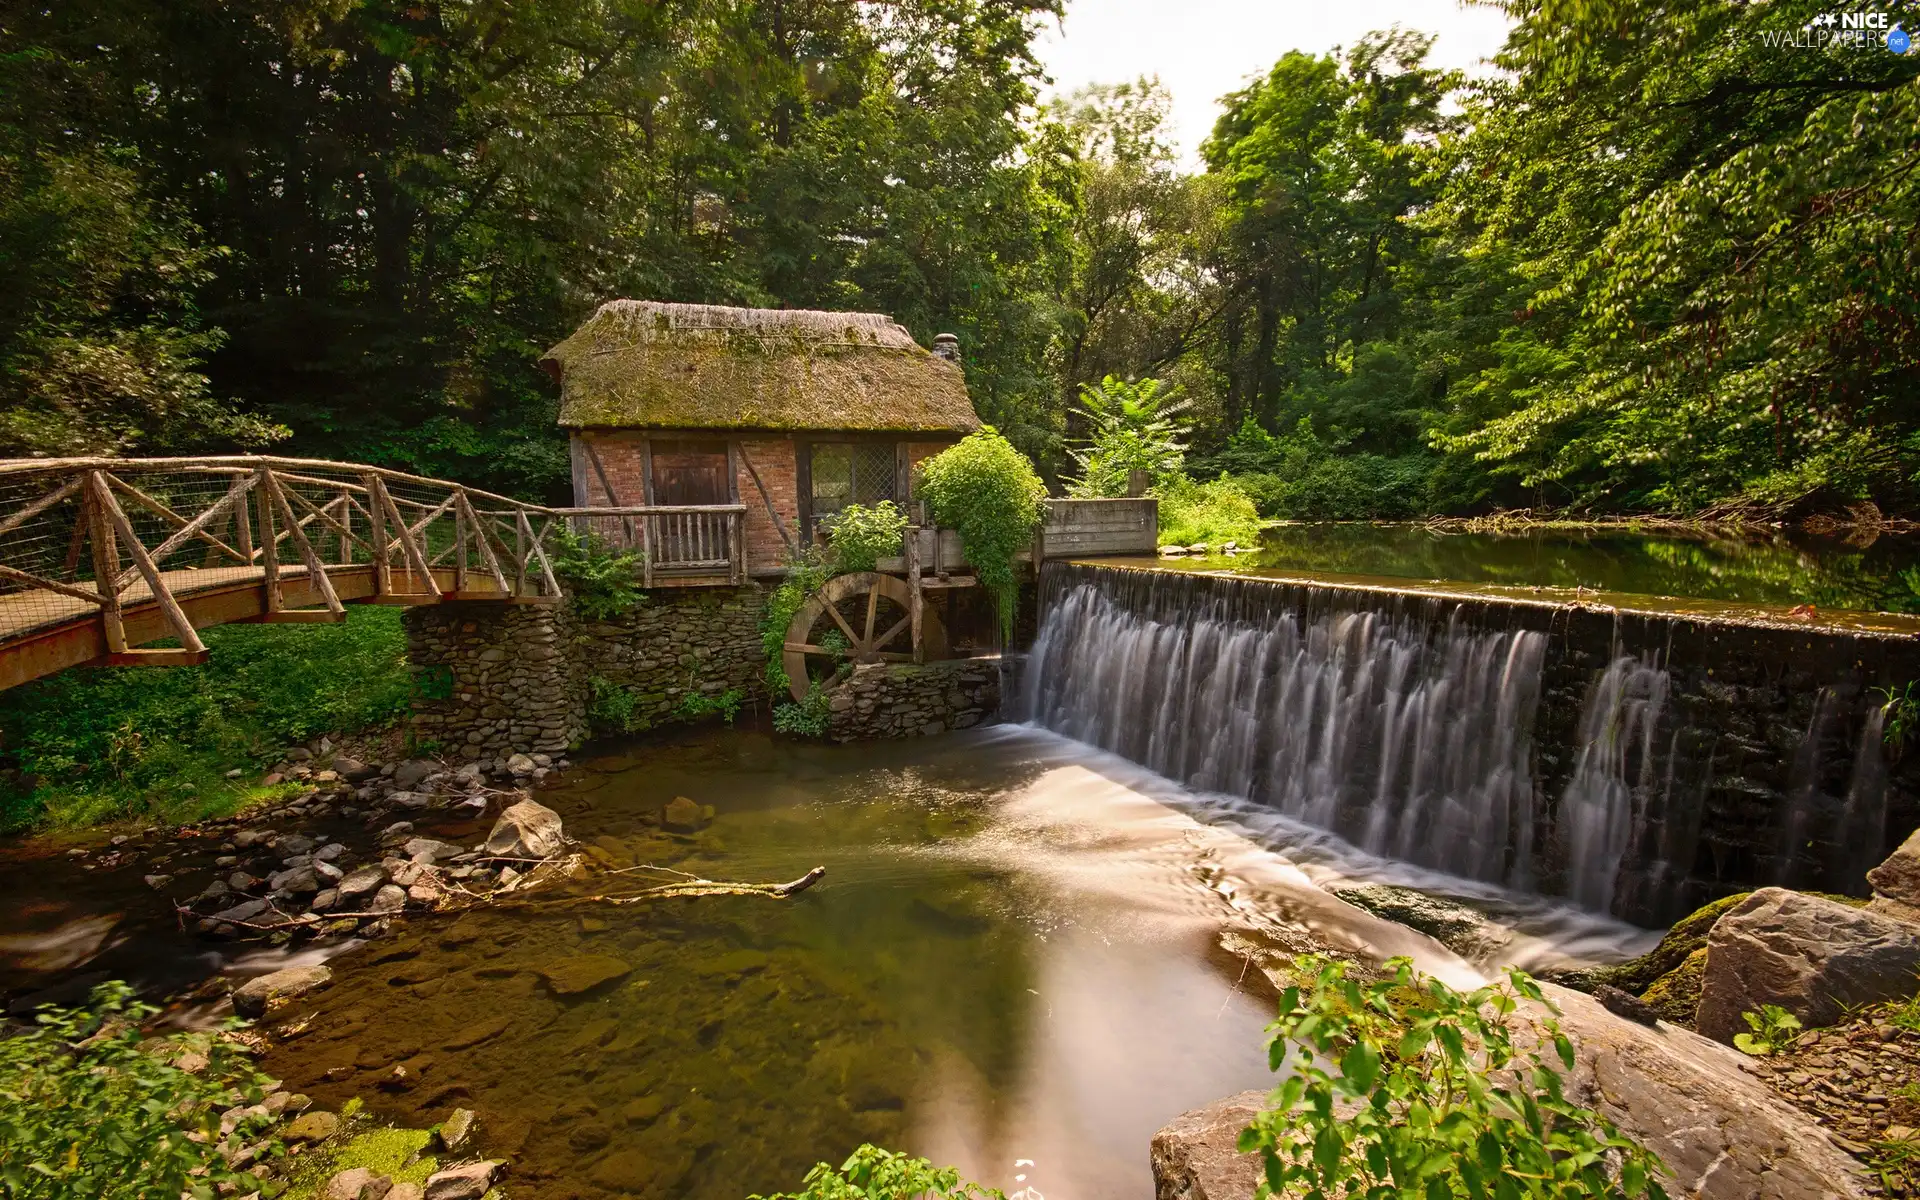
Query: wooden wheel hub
[(879, 629)]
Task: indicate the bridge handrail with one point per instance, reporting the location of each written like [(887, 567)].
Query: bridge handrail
[(238, 463)]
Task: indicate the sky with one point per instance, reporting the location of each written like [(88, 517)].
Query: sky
[(1203, 49)]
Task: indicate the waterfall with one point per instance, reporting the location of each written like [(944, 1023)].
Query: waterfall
[(1614, 776), (1864, 820), (1409, 734)]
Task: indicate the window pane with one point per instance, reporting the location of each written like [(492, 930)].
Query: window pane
[(873, 473), (832, 464)]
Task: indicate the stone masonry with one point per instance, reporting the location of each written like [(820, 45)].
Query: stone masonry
[(494, 678), (894, 700)]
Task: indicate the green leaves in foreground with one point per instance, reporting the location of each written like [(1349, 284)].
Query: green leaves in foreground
[(871, 1173), (91, 1110), (1405, 1088)]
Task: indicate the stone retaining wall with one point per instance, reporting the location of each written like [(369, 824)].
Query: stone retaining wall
[(497, 678), (894, 700)]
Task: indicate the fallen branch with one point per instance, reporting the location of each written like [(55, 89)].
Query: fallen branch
[(693, 887)]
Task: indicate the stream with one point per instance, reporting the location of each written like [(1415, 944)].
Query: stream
[(1012, 966)]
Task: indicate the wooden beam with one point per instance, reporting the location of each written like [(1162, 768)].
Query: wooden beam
[(915, 599), (319, 513), (487, 556), (546, 568), (42, 504), (180, 536), (377, 539), (316, 570), (768, 500), (182, 628), (304, 616), (269, 548), (416, 561), (106, 565), (51, 585), (165, 513), (156, 658)]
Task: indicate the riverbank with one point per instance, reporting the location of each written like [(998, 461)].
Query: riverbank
[(166, 745)]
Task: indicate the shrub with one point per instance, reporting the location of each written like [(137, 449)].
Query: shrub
[(610, 706), (695, 705), (1303, 477), (94, 1111), (1405, 1087), (862, 536), (807, 573), (600, 581), (807, 717), (1131, 427), (871, 1173), (1215, 512), (1770, 1030), (987, 490)]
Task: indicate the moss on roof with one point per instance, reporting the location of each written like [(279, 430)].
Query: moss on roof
[(643, 364)]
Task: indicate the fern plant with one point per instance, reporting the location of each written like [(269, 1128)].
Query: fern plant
[(1130, 427)]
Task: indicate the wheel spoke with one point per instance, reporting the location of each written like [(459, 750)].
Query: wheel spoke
[(890, 634), (873, 610)]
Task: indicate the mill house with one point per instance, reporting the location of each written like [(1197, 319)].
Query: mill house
[(718, 440)]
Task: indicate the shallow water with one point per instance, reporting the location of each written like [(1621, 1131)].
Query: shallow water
[(1860, 570), (1012, 965)]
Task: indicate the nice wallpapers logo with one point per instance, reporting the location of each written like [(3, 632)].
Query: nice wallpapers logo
[(1842, 30)]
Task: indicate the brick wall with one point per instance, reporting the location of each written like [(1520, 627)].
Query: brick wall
[(776, 463), (620, 454)]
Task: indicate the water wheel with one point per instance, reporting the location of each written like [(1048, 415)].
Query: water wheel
[(864, 617)]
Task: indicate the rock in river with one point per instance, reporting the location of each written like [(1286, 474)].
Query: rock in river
[(362, 883), (467, 1182), (582, 973), (267, 994), (686, 816), (1898, 878), (526, 830), (1812, 957)]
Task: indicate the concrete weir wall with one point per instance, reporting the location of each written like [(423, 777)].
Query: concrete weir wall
[(1638, 762)]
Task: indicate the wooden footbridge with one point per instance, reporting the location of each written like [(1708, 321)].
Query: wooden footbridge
[(100, 557)]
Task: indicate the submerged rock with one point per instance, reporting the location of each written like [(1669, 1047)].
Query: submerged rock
[(1455, 926), (267, 994), (1813, 957), (311, 1127), (683, 815), (583, 973), (526, 830), (358, 1183), (468, 1181)]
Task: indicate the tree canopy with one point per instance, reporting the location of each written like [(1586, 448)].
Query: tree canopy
[(1662, 260)]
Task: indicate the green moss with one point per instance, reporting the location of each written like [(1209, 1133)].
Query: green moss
[(395, 1152), (1676, 995), (1687, 935)]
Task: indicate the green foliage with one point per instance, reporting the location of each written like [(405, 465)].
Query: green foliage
[(697, 705), (1406, 1087), (1771, 1029), (602, 583), (99, 743), (807, 573), (1130, 427), (1899, 719), (987, 490), (861, 536), (808, 717), (1215, 512), (871, 1173), (95, 1111), (1906, 1015), (610, 707), (1303, 477)]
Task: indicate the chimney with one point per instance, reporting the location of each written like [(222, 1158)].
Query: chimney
[(947, 346)]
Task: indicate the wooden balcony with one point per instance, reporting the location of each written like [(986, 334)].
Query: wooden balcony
[(680, 545)]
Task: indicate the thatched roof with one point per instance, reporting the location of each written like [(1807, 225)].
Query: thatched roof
[(642, 364)]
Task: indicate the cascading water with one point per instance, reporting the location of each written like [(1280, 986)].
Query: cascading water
[(1614, 777), (1407, 736)]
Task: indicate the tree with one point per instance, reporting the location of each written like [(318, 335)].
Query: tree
[(1131, 427)]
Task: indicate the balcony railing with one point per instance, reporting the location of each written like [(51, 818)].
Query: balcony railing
[(703, 543)]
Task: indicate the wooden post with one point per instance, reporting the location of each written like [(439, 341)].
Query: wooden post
[(346, 528), (317, 579), (459, 543), (377, 515), (519, 555), (106, 563), (646, 549), (176, 616), (914, 599), (269, 542), (243, 525)]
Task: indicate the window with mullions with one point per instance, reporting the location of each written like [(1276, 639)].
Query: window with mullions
[(850, 473)]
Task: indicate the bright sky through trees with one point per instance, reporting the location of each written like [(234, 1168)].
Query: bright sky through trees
[(1203, 49)]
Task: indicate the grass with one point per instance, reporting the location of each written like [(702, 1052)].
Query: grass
[(1213, 512), (93, 745)]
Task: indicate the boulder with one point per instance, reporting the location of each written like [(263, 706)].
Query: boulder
[(433, 849), (264, 995), (1898, 878), (300, 881), (1195, 1157), (520, 764), (240, 881), (242, 912), (413, 771), (311, 1127), (526, 830), (357, 1183), (362, 883), (389, 899), (456, 1129), (294, 843), (468, 1181), (686, 816), (322, 901), (1813, 957)]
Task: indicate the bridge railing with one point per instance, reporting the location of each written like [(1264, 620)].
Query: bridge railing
[(676, 542), (83, 537)]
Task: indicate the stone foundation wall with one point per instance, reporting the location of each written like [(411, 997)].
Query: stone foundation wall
[(686, 641), (895, 700), (493, 679)]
